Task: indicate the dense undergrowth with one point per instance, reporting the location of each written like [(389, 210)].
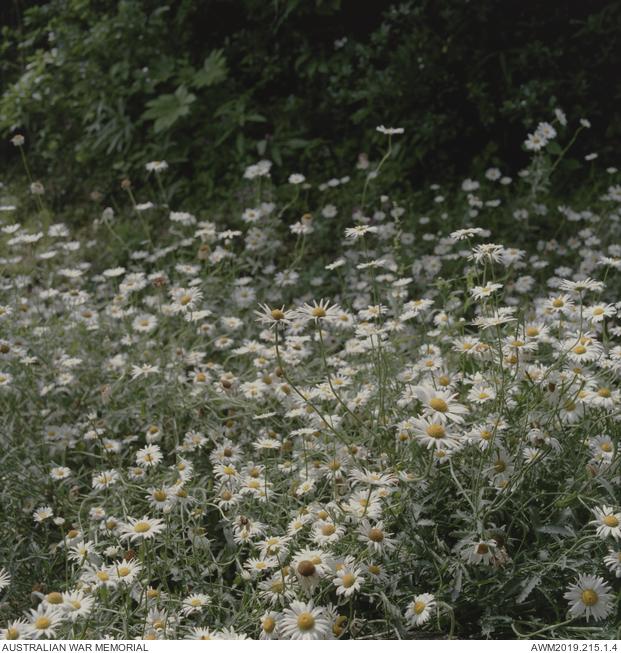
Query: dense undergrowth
[(321, 409)]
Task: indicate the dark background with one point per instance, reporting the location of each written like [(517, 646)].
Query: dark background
[(466, 79)]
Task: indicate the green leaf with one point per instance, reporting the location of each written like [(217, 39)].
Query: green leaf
[(166, 109), (214, 70)]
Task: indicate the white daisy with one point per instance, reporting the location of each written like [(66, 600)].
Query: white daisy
[(589, 596)]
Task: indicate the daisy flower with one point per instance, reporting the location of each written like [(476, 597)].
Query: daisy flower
[(156, 166), (60, 473), (43, 513), (375, 537), (440, 404), (598, 312), (144, 323), (348, 581), (203, 633), (305, 621), (419, 611), (613, 562), (149, 456), (194, 603), (76, 604), (608, 522), (44, 621), (17, 629), (125, 572), (5, 578), (480, 551), (483, 292), (317, 312), (589, 596), (269, 625), (326, 532), (390, 131), (310, 566), (432, 432), (141, 529), (185, 299), (354, 233), (274, 316), (105, 479)]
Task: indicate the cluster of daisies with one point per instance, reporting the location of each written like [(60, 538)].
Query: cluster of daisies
[(314, 416)]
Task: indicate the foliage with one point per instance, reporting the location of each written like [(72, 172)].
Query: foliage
[(103, 87)]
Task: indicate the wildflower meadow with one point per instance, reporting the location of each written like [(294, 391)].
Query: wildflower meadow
[(328, 407), (263, 425)]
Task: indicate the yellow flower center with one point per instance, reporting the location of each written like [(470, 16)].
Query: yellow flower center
[(123, 572), (277, 314), (439, 404), (558, 303), (348, 580), (532, 332), (419, 606), (102, 576), (42, 623), (160, 495), (142, 527), (55, 598), (305, 621), (269, 623), (436, 431), (328, 529), (12, 633), (184, 300), (605, 393), (589, 597), (611, 521), (376, 535), (579, 349), (606, 446), (318, 312)]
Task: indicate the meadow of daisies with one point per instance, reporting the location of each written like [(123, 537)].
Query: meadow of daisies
[(323, 412)]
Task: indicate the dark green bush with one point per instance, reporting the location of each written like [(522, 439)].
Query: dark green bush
[(101, 87)]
